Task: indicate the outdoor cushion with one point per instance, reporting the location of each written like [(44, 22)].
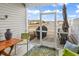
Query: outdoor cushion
[(68, 52), (71, 46), (25, 35)]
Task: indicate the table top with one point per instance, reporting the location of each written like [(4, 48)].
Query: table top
[(7, 43)]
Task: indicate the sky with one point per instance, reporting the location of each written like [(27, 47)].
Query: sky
[(33, 13)]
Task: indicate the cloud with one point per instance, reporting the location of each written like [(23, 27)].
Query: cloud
[(59, 11), (77, 11), (72, 16), (58, 16), (33, 11), (47, 11), (52, 11), (78, 6)]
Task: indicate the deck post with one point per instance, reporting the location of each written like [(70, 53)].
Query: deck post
[(40, 28), (26, 25)]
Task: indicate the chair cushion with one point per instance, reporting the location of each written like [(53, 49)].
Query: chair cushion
[(71, 46), (68, 52), (25, 35)]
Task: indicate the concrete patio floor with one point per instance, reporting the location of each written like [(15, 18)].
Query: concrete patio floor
[(21, 48)]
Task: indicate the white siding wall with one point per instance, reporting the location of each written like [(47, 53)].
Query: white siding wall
[(75, 28), (15, 20)]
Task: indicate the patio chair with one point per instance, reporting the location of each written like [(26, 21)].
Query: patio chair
[(25, 39), (25, 35), (69, 49)]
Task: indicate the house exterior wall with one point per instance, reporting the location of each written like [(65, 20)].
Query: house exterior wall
[(15, 20), (75, 28)]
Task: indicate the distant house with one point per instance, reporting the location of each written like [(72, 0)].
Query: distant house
[(12, 16)]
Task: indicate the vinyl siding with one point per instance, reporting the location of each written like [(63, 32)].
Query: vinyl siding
[(75, 28), (15, 20)]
